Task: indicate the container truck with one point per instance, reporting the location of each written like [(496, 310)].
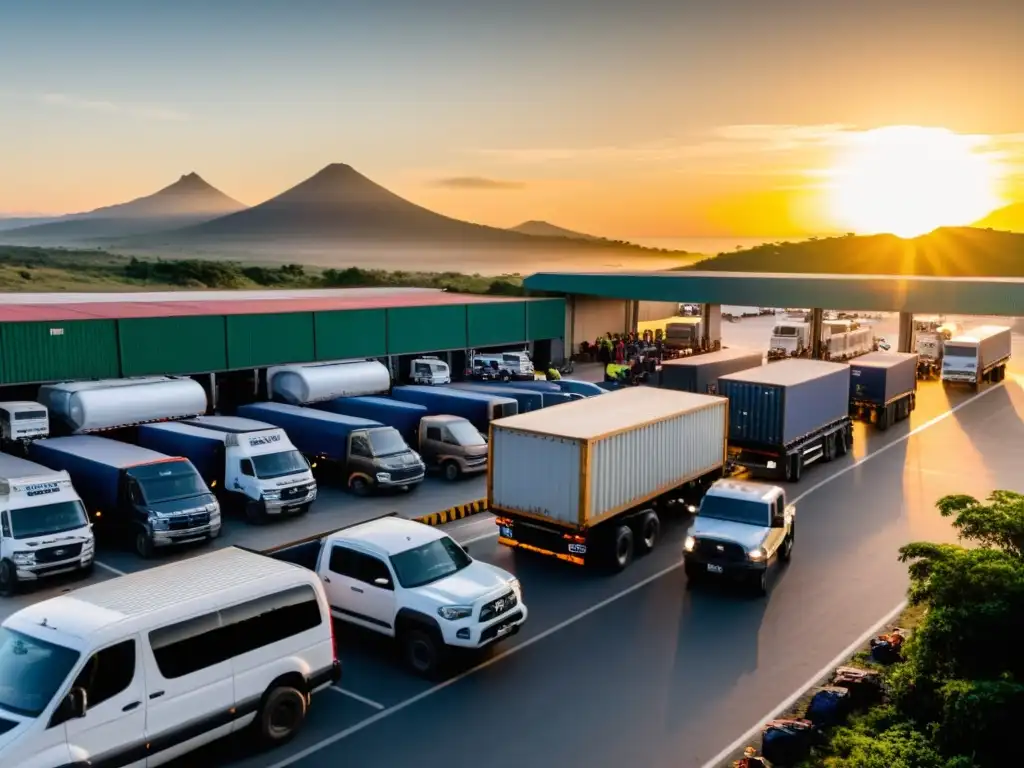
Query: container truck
[(586, 482), (90, 406), (447, 443), (135, 494), (787, 415), (367, 454), (21, 422), (316, 382), (700, 373), (883, 387), (528, 399), (930, 333), (251, 465), (976, 356), (479, 409), (44, 528)]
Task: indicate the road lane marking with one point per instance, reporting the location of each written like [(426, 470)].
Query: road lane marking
[(110, 568), (357, 697), (324, 743)]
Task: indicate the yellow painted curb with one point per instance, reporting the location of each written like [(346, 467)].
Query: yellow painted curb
[(452, 514)]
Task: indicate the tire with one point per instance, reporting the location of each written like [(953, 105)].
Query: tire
[(143, 545), (358, 486), (8, 579), (622, 549), (85, 573), (830, 447), (422, 652), (281, 715), (759, 583), (786, 552), (692, 575), (794, 467), (882, 421), (451, 471), (843, 442), (648, 529)]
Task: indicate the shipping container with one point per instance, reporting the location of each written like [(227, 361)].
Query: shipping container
[(700, 373), (405, 417), (879, 378), (426, 329), (500, 322), (37, 352), (589, 460), (545, 319), (351, 333), (477, 408), (255, 341), (170, 345), (528, 400)]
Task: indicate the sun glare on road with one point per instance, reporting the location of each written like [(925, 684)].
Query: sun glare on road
[(908, 180)]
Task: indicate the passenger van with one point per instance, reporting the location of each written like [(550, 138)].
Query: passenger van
[(508, 365), (139, 670)]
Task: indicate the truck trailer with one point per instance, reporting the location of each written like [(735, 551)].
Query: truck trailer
[(528, 400), (587, 482), (883, 387), (700, 373), (316, 382), (787, 415), (134, 494), (367, 454), (479, 409), (979, 355)]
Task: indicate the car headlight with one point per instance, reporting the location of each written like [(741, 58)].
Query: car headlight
[(516, 587), (271, 495), (756, 554), (383, 477), (24, 558), (691, 509), (689, 544), (455, 612), (213, 509), (159, 524)]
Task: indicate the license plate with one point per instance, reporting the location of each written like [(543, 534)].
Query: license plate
[(505, 531), (714, 568), (293, 508), (578, 549), (504, 631)]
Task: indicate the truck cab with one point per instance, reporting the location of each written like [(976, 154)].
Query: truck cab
[(452, 444), (21, 422), (429, 371), (44, 528), (789, 339), (684, 333), (741, 532)]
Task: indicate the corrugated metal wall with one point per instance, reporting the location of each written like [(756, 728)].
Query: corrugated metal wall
[(426, 329), (536, 474), (254, 341), (155, 345), (545, 319), (52, 351), (493, 324), (351, 333)]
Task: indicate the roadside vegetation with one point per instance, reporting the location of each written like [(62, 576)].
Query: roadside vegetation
[(55, 269), (956, 697)]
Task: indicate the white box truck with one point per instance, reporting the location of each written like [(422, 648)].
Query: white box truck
[(976, 356)]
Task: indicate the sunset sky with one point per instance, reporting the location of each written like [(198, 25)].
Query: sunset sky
[(631, 119)]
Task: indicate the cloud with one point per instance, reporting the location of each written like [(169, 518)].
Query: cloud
[(477, 182), (139, 111)]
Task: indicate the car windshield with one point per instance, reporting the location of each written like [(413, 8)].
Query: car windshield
[(960, 350), (271, 465), (735, 510), (465, 434), (428, 563), (168, 481), (31, 672), (385, 442), (28, 522)]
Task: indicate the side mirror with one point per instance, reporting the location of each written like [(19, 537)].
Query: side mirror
[(382, 582), (78, 703)]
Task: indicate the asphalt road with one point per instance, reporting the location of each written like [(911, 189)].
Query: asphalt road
[(633, 669)]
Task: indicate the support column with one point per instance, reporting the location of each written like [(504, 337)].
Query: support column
[(816, 328), (213, 393), (711, 325), (906, 337)]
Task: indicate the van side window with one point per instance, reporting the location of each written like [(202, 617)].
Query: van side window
[(5, 525), (361, 447), (189, 646), (271, 618), (434, 433), (108, 673), (246, 466)]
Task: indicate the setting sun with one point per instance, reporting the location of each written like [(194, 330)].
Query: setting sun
[(908, 180)]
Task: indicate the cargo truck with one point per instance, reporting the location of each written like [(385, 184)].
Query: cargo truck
[(588, 481), (367, 454), (21, 422), (978, 355), (316, 382), (44, 528), (134, 494), (700, 373), (528, 400), (91, 406), (251, 465), (787, 415), (447, 443), (883, 387), (479, 409)]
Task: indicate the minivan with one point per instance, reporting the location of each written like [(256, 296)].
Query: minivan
[(143, 668)]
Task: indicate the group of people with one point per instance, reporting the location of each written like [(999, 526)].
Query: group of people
[(622, 348)]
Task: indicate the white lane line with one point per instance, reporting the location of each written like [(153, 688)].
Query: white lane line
[(481, 537), (855, 646), (110, 568), (357, 697), (314, 748)]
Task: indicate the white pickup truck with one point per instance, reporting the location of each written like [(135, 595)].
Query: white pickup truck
[(415, 583), (742, 532)]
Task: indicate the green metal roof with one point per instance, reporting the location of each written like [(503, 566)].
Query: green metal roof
[(878, 293)]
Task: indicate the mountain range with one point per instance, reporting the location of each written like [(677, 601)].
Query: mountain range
[(1010, 218)]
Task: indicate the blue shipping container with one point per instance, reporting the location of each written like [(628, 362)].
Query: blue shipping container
[(881, 377), (405, 417), (313, 432), (203, 447), (528, 401), (551, 393), (475, 407)]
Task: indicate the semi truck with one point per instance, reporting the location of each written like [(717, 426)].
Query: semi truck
[(883, 387), (785, 416), (316, 382), (44, 528), (587, 482), (79, 407), (447, 443), (930, 334), (366, 454), (700, 373), (21, 422), (251, 465), (134, 494), (977, 356), (477, 408)]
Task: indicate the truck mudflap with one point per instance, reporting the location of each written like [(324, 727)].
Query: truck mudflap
[(543, 540)]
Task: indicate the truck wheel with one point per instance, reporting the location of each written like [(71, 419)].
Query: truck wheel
[(8, 579), (759, 583), (422, 652), (843, 442), (622, 548), (787, 546), (451, 471), (143, 545), (648, 528), (282, 714), (794, 467), (359, 486), (882, 420), (830, 446)]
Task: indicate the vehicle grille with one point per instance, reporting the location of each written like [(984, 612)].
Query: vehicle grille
[(295, 492), (499, 606), (405, 473), (475, 461), (56, 554), (185, 522), (710, 549), (491, 632)]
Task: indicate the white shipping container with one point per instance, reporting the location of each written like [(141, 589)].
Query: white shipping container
[(588, 460)]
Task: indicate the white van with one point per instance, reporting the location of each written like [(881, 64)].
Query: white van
[(44, 528), (429, 371), (139, 670), (22, 421), (509, 365)]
